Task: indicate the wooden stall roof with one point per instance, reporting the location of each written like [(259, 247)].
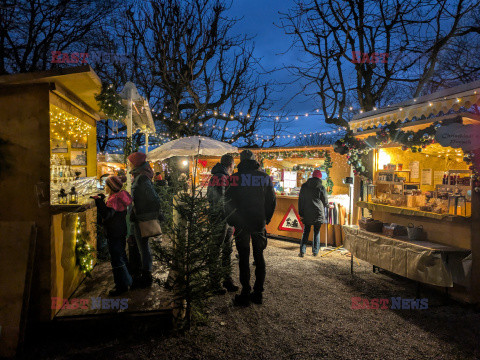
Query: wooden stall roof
[(433, 107), (78, 84)]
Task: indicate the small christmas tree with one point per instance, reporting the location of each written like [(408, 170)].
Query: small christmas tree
[(189, 235)]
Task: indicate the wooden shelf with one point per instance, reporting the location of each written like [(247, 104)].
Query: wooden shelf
[(381, 182), (393, 171)]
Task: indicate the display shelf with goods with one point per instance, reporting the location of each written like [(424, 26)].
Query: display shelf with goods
[(74, 167)]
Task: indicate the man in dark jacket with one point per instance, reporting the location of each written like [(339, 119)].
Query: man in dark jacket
[(250, 205), (311, 208), (216, 197)]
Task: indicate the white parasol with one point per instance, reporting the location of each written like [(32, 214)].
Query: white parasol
[(191, 146)]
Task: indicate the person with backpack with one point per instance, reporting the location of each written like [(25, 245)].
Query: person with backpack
[(311, 207)]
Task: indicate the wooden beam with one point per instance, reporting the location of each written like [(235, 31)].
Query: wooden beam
[(69, 97), (67, 106)]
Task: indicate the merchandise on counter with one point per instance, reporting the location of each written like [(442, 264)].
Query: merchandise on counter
[(394, 230), (416, 232), (371, 225)]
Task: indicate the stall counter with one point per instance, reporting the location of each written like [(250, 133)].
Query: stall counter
[(283, 223)]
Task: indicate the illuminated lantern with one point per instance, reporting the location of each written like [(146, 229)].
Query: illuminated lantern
[(73, 196), (62, 197)]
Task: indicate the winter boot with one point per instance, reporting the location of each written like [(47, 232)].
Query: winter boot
[(147, 279), (117, 291), (230, 286), (256, 297), (241, 300), (137, 282)]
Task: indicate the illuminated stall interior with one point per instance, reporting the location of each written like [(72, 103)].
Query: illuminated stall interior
[(73, 158), (424, 181)]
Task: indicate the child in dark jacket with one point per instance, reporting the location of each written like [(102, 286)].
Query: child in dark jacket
[(113, 217)]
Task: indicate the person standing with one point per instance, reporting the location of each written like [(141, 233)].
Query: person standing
[(146, 207), (216, 197), (250, 204), (311, 207), (113, 218)]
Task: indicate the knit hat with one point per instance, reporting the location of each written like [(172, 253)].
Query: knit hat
[(317, 174), (115, 183), (247, 155), (137, 159)]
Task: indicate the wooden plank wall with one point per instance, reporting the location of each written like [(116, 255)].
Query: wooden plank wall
[(24, 123), (16, 262)]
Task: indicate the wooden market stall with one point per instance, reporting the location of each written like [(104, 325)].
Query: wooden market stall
[(110, 164), (289, 168), (298, 163), (422, 182), (48, 131)]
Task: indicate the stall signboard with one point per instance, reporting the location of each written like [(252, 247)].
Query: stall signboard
[(291, 221), (466, 137)]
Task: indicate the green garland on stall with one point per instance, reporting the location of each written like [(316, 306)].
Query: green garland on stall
[(272, 155), (322, 154), (357, 150), (110, 103), (328, 165), (84, 252)]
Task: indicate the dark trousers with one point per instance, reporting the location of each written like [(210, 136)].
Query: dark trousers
[(223, 245), (259, 243), (316, 238), (118, 259)]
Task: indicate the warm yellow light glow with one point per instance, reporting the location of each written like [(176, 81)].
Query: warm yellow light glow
[(383, 158), (185, 162)]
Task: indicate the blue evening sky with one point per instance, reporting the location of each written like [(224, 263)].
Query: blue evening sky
[(261, 19)]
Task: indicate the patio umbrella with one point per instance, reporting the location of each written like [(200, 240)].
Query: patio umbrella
[(191, 146)]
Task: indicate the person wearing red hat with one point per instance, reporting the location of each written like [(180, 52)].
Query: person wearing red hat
[(311, 207), (146, 207)]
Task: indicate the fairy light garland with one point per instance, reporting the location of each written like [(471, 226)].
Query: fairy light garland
[(66, 127), (84, 252)]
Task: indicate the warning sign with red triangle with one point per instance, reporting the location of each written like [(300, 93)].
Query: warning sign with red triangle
[(291, 221)]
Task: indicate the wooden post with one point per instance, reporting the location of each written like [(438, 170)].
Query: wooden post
[(476, 245), (129, 136), (356, 196)]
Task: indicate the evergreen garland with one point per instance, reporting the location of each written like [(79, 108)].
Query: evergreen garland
[(110, 103), (315, 154), (272, 155), (357, 150), (84, 252)]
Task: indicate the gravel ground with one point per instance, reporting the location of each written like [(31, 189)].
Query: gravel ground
[(306, 315)]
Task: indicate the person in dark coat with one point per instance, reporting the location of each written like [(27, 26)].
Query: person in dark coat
[(250, 205), (311, 207), (113, 218), (216, 197), (146, 206)]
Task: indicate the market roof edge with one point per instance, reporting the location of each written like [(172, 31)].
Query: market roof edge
[(445, 100), (80, 81)]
